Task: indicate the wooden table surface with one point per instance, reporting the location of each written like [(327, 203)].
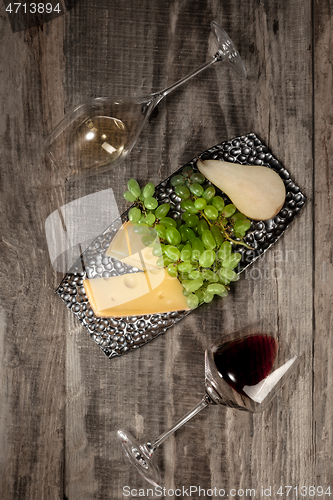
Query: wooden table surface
[(62, 399)]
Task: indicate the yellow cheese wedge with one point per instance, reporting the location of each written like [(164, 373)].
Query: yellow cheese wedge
[(127, 247), (134, 294)]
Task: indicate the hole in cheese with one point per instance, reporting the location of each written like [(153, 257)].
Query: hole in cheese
[(130, 280)]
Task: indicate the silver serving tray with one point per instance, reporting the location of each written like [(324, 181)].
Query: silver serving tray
[(117, 336)]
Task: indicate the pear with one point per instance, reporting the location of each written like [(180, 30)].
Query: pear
[(258, 192)]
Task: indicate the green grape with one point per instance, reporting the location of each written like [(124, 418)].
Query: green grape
[(202, 226), (229, 210), (172, 252), (185, 267), (129, 196), (168, 222), (147, 239), (209, 193), (242, 226), (225, 250), (182, 233), (185, 293), (185, 204), (192, 285), (200, 203), (183, 192), (239, 235), (189, 206), (211, 212), (187, 234), (142, 219), (134, 188), (232, 261), (177, 180), (161, 231), (207, 296), (153, 232), (218, 237), (197, 178), (160, 261), (208, 239), (228, 275), (224, 280), (157, 250), (207, 258), (199, 294), (151, 203), (141, 229), (187, 170), (197, 248), (209, 275), (196, 189), (162, 210), (185, 216), (194, 274), (192, 220), (218, 203), (163, 261), (148, 190), (192, 301), (172, 270), (234, 276), (238, 216), (217, 289), (134, 215), (186, 253), (173, 236), (150, 219)]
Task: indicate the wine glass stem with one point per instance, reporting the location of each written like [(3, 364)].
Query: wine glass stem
[(197, 408), (217, 57)]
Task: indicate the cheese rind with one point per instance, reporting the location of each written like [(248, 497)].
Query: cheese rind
[(134, 294)]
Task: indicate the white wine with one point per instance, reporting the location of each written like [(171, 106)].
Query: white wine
[(102, 140), (97, 135)]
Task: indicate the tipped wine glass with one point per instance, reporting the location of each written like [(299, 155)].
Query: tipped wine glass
[(102, 132), (242, 371)]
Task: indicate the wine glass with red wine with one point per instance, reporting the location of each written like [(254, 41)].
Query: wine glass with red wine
[(243, 371)]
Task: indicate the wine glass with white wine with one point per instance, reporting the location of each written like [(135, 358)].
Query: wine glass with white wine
[(101, 132)]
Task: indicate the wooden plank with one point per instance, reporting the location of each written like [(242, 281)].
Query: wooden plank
[(323, 147), (33, 335)]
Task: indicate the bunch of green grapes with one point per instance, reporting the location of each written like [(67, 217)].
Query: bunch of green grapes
[(198, 247)]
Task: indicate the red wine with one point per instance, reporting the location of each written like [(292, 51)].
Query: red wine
[(246, 361)]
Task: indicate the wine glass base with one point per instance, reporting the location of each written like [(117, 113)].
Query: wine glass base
[(138, 457), (227, 49)]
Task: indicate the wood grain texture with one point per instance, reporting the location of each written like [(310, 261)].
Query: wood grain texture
[(323, 118), (62, 400)]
